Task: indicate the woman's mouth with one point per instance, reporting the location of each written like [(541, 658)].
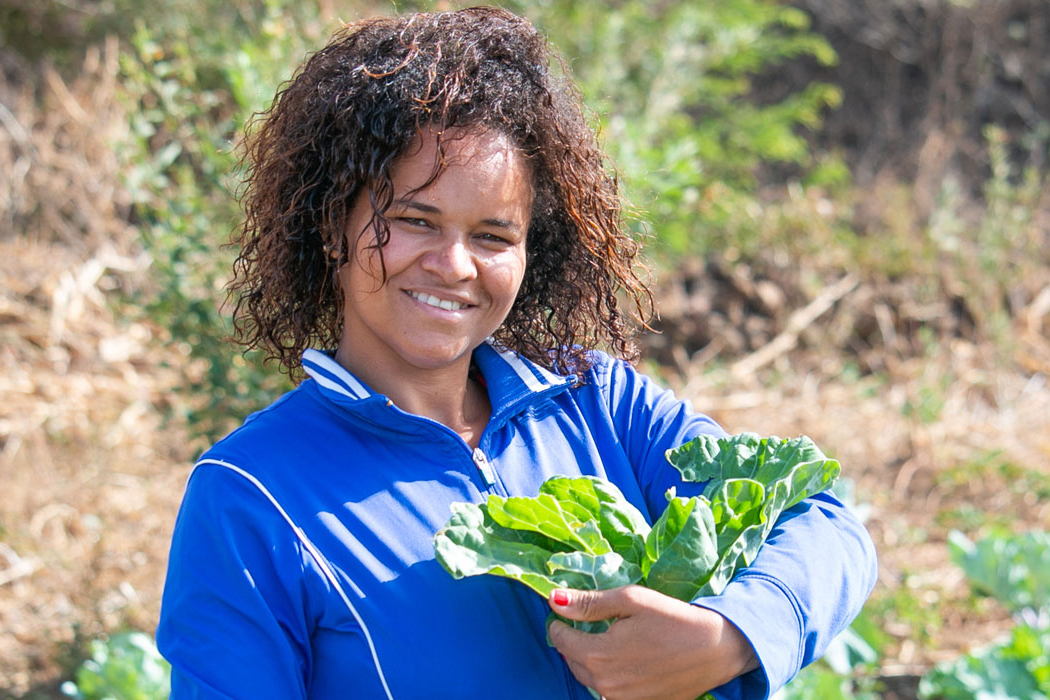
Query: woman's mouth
[(431, 300)]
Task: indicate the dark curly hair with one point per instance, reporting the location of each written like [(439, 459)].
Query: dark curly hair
[(355, 107)]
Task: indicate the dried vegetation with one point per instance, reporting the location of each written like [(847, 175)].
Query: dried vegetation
[(90, 472)]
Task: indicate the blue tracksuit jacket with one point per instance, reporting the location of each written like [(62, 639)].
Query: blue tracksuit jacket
[(302, 562)]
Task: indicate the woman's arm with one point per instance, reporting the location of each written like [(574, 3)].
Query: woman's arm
[(807, 583), (234, 614)]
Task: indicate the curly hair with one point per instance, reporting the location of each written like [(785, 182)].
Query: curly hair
[(357, 105)]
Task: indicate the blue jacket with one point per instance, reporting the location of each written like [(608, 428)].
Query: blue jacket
[(302, 563)]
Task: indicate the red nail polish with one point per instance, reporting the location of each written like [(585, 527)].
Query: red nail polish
[(560, 598)]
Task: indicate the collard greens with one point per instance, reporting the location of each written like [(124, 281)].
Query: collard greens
[(581, 532)]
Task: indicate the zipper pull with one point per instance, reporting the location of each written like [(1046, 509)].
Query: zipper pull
[(484, 467)]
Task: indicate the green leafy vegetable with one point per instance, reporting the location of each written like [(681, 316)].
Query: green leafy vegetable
[(583, 533), (1013, 569), (1018, 668)]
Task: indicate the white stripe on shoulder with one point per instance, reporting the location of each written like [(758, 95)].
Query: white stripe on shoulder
[(535, 377), (316, 554), (332, 375)]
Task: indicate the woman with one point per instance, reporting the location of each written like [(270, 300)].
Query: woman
[(427, 206)]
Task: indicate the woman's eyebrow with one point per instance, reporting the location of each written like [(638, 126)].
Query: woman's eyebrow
[(411, 204), (431, 209)]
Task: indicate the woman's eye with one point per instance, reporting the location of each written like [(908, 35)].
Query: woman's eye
[(412, 221), (493, 238)]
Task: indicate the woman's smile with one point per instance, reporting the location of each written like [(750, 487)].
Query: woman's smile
[(438, 302)]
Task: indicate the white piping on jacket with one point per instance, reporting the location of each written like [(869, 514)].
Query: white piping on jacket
[(316, 554), (349, 386), (526, 374)]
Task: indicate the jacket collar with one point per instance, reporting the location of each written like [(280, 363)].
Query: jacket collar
[(509, 377), (334, 380)]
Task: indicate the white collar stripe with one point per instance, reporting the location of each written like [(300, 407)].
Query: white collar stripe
[(331, 375), (332, 386), (526, 373)]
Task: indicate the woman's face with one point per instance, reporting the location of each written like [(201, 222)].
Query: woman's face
[(454, 261)]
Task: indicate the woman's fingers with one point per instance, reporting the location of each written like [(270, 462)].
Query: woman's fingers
[(658, 647)]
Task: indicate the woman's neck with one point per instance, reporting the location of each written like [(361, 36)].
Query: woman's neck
[(447, 395)]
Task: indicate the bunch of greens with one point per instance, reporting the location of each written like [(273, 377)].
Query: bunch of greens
[(583, 533)]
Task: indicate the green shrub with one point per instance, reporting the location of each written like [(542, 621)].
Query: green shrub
[(189, 92), (126, 666), (673, 88)]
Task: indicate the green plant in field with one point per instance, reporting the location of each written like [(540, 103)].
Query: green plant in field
[(126, 666), (1018, 669), (190, 88), (1015, 570)]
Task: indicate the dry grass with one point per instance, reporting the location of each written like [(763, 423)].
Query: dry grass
[(90, 474)]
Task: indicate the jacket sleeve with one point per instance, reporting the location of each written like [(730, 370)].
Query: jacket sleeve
[(809, 580), (233, 619)]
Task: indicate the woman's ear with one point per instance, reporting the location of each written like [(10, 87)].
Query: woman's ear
[(334, 250)]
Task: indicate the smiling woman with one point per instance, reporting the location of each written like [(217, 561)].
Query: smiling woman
[(431, 236)]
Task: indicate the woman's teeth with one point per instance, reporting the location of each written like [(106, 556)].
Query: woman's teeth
[(432, 300)]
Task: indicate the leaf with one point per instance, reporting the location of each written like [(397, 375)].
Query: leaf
[(622, 525), (126, 666), (750, 482), (589, 572), (765, 460), (805, 479), (1013, 669), (471, 543), (738, 504), (546, 515), (705, 457), (1014, 569), (682, 548)]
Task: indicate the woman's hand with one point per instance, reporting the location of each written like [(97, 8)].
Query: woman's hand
[(659, 647)]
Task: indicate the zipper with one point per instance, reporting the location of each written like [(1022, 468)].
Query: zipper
[(484, 467), (488, 474)]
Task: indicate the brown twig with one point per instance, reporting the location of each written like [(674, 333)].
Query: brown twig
[(798, 322)]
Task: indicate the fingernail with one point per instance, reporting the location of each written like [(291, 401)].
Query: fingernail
[(560, 597)]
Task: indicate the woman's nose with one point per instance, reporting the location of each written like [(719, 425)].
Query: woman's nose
[(452, 260)]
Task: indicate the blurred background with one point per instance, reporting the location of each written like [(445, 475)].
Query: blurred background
[(847, 206)]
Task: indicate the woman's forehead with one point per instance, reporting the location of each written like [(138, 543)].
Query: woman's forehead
[(433, 152)]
